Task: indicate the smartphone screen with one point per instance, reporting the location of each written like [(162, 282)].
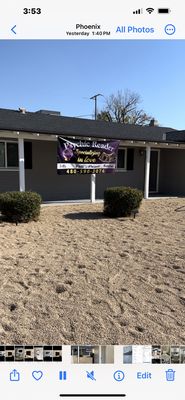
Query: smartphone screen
[(92, 188)]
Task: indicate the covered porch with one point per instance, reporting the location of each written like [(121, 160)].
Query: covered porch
[(158, 170)]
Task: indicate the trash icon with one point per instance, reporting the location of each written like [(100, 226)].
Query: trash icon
[(170, 375)]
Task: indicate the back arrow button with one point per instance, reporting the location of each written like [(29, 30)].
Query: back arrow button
[(13, 29)]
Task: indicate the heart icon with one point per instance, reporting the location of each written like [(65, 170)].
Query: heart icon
[(37, 375)]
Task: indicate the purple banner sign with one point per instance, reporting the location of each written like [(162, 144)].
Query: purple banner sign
[(78, 156)]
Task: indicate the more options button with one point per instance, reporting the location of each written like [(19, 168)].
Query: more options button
[(170, 29)]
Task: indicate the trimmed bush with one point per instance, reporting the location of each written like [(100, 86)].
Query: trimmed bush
[(20, 206), (121, 201)]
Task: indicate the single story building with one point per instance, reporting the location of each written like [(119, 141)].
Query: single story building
[(150, 158)]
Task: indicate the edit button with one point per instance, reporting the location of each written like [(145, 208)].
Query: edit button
[(144, 375)]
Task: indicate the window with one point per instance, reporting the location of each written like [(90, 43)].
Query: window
[(121, 159), (12, 155), (9, 155), (125, 159), (2, 154)]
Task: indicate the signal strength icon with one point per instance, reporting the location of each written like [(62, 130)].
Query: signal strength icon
[(139, 11), (150, 10)]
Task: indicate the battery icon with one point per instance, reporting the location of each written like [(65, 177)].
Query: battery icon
[(164, 10)]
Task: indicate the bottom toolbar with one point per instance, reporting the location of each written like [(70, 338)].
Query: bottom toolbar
[(51, 381), (97, 371)]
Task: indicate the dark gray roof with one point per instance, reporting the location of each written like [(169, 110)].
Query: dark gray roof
[(176, 136), (12, 120)]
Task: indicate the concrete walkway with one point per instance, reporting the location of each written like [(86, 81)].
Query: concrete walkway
[(67, 202), (98, 201)]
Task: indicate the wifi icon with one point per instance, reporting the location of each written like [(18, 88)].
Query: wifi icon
[(150, 10)]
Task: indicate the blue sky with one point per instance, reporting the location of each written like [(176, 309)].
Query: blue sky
[(63, 75)]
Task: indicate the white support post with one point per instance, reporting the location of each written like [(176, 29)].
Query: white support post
[(21, 165), (147, 172), (93, 187)]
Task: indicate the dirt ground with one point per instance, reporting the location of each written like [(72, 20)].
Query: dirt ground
[(76, 277)]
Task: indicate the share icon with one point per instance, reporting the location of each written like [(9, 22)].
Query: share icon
[(90, 375)]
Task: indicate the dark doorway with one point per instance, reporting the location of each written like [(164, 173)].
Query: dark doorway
[(154, 171)]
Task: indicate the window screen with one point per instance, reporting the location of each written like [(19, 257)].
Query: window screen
[(12, 155), (2, 154), (121, 158)]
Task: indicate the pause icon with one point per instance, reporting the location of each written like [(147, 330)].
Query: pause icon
[(62, 375), (139, 11)]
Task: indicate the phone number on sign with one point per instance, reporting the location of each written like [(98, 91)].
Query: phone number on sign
[(85, 171)]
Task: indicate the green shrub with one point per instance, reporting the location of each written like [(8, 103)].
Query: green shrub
[(20, 206), (121, 201)]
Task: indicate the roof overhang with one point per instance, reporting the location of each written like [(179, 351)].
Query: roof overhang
[(124, 142)]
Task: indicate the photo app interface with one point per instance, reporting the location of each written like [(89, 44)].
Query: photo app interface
[(92, 161)]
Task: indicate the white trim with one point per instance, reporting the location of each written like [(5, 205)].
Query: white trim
[(93, 188), (54, 137), (29, 136), (9, 169), (121, 170), (147, 172), (21, 165)]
